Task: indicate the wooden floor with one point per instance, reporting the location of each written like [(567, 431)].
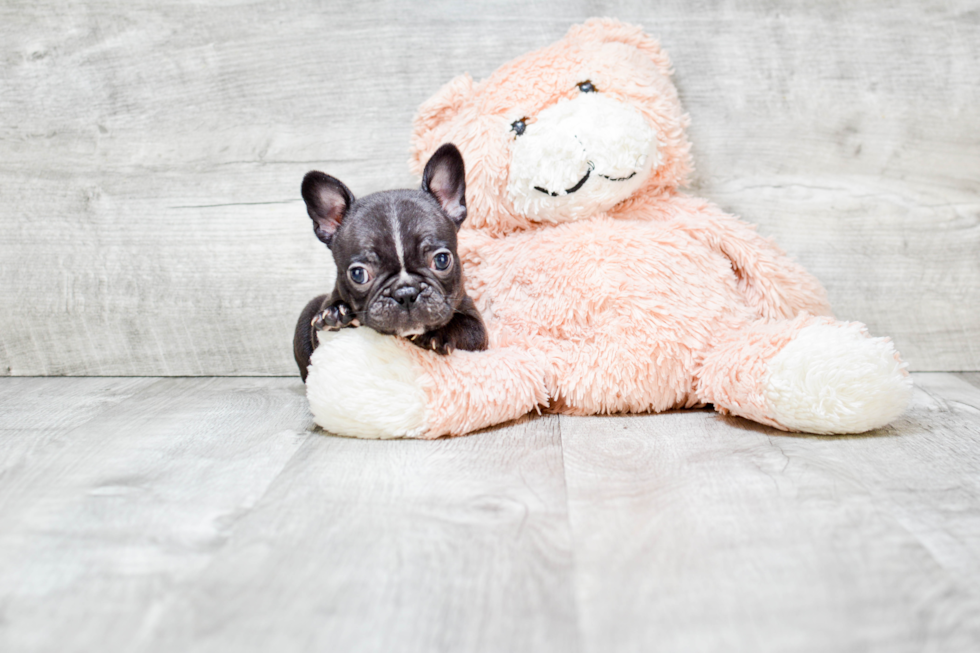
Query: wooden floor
[(205, 514)]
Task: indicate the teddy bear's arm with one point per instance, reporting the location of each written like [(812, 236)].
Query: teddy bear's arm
[(771, 282)]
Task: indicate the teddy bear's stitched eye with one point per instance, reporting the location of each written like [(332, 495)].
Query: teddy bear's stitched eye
[(587, 87), (518, 126)]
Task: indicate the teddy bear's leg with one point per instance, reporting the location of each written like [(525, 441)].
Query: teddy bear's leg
[(363, 384), (809, 374)]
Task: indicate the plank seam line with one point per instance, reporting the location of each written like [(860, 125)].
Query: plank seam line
[(571, 538), (212, 206)]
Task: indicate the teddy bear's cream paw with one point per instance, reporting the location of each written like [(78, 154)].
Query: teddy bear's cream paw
[(362, 384), (834, 378)]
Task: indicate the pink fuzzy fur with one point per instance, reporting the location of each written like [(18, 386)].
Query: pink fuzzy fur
[(662, 302)]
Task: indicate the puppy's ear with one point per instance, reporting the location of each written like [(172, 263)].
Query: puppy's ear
[(327, 201), (445, 178)]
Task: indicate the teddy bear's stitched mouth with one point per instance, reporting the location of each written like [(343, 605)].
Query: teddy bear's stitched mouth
[(581, 182), (626, 178), (569, 191)]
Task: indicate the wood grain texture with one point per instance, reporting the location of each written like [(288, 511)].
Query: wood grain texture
[(37, 414), (132, 503), (972, 378), (454, 545), (151, 154), (695, 532), (205, 515)]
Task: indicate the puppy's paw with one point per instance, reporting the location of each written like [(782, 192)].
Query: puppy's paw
[(439, 341), (336, 316), (464, 332)]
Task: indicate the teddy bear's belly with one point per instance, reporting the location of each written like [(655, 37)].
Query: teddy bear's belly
[(625, 309)]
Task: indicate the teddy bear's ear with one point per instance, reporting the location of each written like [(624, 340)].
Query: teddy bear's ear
[(608, 30), (431, 121)]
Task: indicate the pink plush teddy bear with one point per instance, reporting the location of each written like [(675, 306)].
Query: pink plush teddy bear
[(604, 288)]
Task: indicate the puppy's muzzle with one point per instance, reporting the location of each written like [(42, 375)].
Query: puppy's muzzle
[(405, 295), (408, 308)]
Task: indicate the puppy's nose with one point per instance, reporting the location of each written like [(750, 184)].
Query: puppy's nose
[(405, 295)]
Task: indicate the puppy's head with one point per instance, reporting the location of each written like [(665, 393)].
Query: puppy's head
[(395, 251)]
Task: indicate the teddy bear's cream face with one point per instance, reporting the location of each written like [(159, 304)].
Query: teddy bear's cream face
[(579, 157), (564, 133)]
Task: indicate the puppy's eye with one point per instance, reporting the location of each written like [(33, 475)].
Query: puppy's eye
[(587, 87), (359, 274), (518, 126), (442, 260)]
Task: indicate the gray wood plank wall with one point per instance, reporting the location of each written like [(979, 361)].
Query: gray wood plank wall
[(151, 153)]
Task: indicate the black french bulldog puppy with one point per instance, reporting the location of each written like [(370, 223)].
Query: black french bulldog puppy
[(397, 267)]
